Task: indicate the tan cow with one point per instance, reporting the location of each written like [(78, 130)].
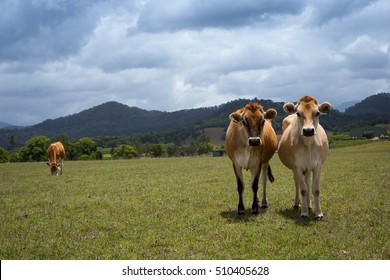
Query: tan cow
[(56, 155), (303, 148), (250, 144)]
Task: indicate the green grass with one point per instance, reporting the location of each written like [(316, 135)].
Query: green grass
[(185, 208)]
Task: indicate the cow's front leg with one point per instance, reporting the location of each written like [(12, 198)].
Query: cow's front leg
[(240, 188), (61, 166), (255, 188), (299, 178), (307, 181), (316, 192)]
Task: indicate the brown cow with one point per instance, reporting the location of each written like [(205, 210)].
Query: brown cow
[(56, 155), (250, 144), (303, 148)]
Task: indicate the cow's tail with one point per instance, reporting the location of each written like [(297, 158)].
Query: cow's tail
[(269, 173)]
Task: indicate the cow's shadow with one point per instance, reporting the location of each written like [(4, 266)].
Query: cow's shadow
[(293, 214), (290, 213), (232, 216)]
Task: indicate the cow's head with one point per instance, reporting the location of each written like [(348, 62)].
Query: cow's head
[(54, 167), (252, 118), (308, 111)]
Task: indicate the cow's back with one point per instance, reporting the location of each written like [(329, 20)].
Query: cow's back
[(61, 150), (56, 148)]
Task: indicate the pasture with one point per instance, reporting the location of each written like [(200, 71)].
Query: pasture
[(185, 208)]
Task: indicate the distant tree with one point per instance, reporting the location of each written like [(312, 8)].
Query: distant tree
[(221, 147), (191, 149), (98, 155), (71, 152), (171, 149), (12, 141), (203, 144), (157, 150), (4, 156), (86, 146), (125, 151), (15, 157), (63, 139), (35, 149)]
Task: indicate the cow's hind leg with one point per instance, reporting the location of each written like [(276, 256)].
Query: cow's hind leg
[(240, 189), (255, 188), (264, 169), (297, 200), (61, 166)]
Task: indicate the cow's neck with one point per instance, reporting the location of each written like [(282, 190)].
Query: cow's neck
[(307, 141)]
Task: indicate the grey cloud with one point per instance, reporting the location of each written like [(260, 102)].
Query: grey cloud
[(365, 54), (327, 10), (193, 14), (44, 30), (362, 61), (171, 55)]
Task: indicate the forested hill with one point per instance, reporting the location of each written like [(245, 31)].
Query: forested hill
[(378, 104), (108, 119), (116, 119)]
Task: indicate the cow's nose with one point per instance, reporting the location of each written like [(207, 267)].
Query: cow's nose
[(254, 141), (308, 131)]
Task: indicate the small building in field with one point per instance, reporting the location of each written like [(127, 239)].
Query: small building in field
[(218, 153), (368, 132)]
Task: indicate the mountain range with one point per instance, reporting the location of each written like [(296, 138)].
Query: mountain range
[(4, 125), (116, 119)]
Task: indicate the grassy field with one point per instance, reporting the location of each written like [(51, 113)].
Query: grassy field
[(185, 208)]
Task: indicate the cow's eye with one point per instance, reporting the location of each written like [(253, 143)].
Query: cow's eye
[(244, 122), (261, 122), (299, 114), (317, 113)]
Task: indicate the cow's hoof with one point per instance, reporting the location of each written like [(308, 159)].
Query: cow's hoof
[(255, 211), (264, 206), (305, 216), (319, 217), (297, 206), (241, 213)]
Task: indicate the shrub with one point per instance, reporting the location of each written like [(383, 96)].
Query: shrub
[(4, 156), (125, 151)]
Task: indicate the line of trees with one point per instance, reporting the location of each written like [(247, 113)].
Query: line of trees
[(87, 149)]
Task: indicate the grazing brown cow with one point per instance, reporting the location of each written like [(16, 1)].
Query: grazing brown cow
[(303, 148), (250, 144), (56, 154)]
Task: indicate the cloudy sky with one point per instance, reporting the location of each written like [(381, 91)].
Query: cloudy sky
[(58, 57)]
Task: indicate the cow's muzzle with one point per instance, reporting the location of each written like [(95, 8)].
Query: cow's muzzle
[(254, 141), (308, 131)]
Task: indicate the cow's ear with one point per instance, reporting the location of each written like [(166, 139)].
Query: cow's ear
[(324, 107), (48, 163), (270, 114), (235, 117), (290, 108)]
